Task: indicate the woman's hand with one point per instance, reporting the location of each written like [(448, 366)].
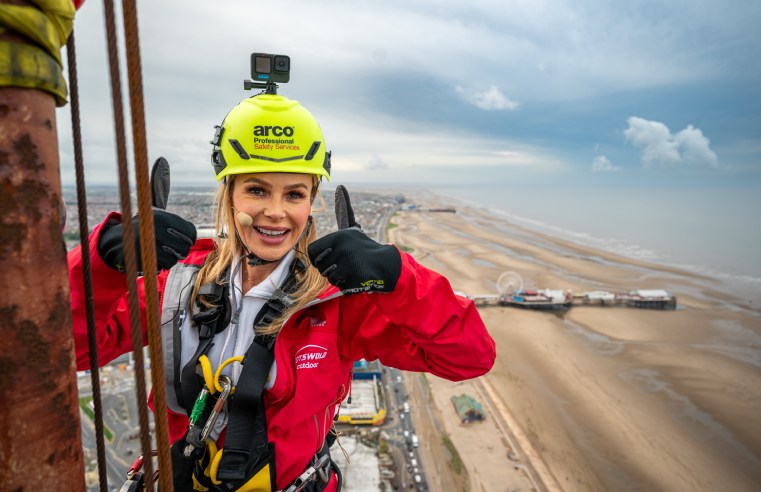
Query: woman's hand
[(352, 261), (174, 237)]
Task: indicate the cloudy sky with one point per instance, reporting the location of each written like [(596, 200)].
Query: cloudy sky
[(447, 91)]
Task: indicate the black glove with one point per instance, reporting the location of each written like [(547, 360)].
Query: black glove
[(174, 237), (352, 261)]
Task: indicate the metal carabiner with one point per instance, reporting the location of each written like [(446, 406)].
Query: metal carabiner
[(135, 480), (227, 387), (196, 437), (194, 431), (309, 474), (136, 466)]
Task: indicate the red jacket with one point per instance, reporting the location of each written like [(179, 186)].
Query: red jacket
[(421, 326)]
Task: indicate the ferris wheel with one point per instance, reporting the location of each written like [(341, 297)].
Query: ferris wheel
[(509, 282)]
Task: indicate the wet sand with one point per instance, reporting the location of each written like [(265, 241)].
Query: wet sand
[(608, 398)]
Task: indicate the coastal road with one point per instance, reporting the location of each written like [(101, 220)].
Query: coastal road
[(520, 467), (400, 432), (432, 455)]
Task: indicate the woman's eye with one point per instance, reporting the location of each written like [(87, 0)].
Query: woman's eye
[(254, 190), (296, 195)]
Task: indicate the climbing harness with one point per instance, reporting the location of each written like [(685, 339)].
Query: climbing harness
[(246, 462), (316, 476)]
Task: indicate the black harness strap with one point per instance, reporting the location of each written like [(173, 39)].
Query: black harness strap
[(246, 442), (246, 448), (176, 356), (210, 321)]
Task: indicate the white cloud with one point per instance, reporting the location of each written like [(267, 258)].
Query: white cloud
[(696, 148), (491, 99), (376, 163), (660, 147), (603, 164), (540, 54), (359, 140)]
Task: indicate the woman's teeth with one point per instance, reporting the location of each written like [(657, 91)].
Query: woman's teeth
[(268, 232)]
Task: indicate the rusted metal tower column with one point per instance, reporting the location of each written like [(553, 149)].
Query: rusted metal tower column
[(39, 418)]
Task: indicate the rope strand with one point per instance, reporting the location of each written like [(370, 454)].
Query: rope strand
[(84, 239), (134, 72), (130, 261)]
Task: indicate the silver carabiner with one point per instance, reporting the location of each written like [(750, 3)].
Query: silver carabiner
[(309, 474), (227, 386)]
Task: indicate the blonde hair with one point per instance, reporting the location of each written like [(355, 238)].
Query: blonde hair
[(229, 247)]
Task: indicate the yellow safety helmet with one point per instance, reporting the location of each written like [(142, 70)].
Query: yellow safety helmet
[(269, 133)]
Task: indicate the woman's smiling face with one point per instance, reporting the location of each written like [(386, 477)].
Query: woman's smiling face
[(279, 205)]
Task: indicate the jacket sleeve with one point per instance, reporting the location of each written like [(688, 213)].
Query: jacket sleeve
[(110, 300), (421, 326)]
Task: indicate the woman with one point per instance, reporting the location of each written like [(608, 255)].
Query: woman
[(298, 309)]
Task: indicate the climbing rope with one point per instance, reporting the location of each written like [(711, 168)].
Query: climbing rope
[(130, 261), (84, 239), (145, 223), (145, 202)]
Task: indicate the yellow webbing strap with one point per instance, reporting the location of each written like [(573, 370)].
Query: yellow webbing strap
[(208, 374), (260, 482), (211, 452), (36, 65), (211, 378), (237, 358)]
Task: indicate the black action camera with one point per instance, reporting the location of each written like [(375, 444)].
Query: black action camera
[(270, 68)]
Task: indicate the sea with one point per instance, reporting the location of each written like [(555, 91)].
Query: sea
[(711, 232)]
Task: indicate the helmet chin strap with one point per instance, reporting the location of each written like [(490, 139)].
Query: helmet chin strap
[(254, 260)]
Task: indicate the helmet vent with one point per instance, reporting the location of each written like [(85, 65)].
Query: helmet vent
[(312, 150), (239, 149)]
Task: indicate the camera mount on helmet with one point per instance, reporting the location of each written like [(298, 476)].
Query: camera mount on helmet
[(267, 70)]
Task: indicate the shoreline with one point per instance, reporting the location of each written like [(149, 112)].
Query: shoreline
[(746, 288), (611, 398)]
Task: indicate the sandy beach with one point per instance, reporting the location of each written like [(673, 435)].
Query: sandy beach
[(601, 398)]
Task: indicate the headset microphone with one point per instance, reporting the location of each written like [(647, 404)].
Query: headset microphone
[(244, 219)]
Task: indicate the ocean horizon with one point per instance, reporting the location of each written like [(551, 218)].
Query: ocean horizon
[(705, 231), (709, 232)]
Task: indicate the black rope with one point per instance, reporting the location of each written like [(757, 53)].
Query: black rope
[(84, 239)]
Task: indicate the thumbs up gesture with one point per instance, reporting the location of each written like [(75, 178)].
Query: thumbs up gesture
[(352, 261)]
